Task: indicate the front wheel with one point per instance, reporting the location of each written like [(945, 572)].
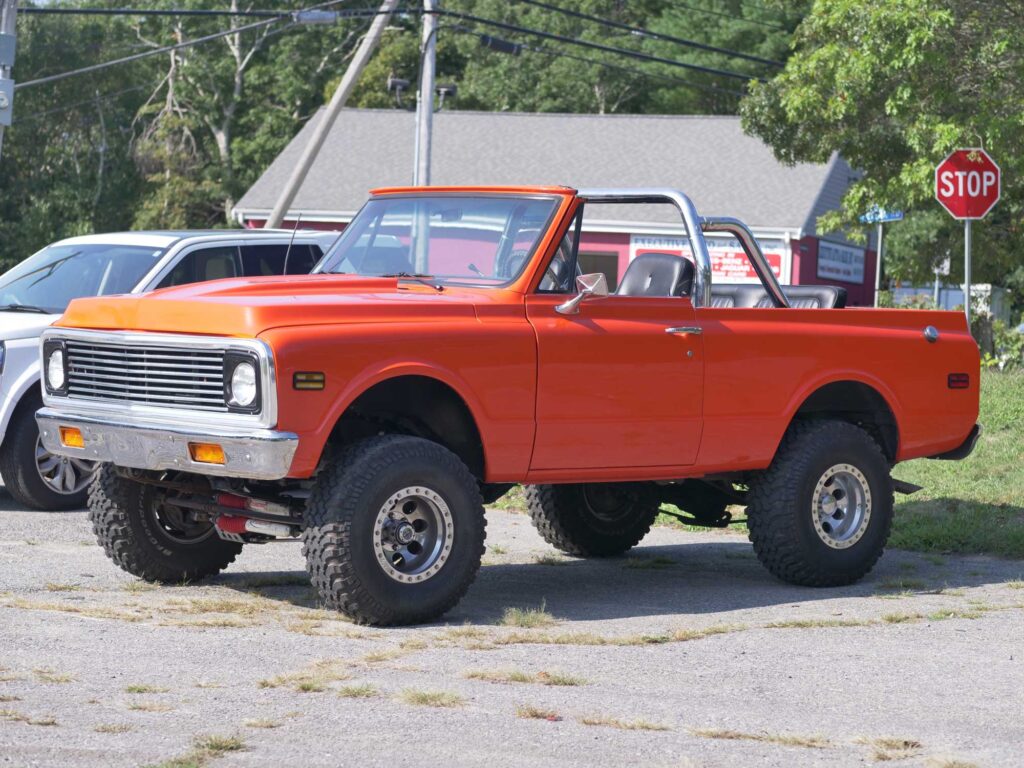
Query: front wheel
[(147, 536), (394, 531), (820, 515)]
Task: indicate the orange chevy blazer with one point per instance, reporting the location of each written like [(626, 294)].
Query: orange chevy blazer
[(447, 348)]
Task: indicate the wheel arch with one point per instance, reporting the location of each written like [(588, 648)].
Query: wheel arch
[(21, 396), (856, 401), (415, 402)]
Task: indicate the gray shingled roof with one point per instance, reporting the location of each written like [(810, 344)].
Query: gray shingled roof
[(709, 157)]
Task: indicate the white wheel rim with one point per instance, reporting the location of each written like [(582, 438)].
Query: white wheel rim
[(413, 534), (841, 506)]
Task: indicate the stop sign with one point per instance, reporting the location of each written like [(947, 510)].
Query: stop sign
[(967, 183)]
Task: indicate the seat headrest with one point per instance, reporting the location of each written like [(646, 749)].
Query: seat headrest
[(657, 274)]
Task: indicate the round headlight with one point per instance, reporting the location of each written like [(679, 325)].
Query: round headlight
[(243, 385), (55, 369)]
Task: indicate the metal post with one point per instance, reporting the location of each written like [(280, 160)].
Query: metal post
[(8, 14), (878, 265), (331, 112), (425, 111), (935, 292), (967, 272)]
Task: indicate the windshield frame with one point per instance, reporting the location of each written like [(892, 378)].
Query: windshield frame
[(557, 201)]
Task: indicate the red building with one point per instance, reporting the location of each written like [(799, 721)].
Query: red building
[(723, 170)]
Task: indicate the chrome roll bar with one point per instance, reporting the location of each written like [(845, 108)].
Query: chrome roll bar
[(742, 232), (695, 229)]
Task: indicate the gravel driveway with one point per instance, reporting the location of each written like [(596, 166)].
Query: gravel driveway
[(685, 653)]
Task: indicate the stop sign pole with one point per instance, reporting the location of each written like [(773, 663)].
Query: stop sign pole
[(968, 184)]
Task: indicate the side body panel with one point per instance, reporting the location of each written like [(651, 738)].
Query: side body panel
[(20, 374), (762, 364), (614, 389), (489, 359)]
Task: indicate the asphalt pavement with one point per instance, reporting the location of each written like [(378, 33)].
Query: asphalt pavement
[(684, 653)]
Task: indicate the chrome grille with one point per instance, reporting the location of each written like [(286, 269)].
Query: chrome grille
[(162, 376)]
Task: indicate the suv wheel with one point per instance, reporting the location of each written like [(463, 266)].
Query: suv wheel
[(820, 515), (151, 538), (394, 531), (34, 476), (592, 519)]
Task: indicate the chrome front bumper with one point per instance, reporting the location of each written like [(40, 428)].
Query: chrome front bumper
[(256, 454)]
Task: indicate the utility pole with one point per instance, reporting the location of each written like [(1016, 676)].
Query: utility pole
[(878, 265), (425, 99), (330, 115), (8, 12)]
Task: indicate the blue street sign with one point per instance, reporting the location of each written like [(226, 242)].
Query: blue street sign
[(880, 215)]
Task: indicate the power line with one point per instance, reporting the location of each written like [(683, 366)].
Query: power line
[(282, 16), (85, 102), (650, 33), (608, 65), (639, 55), (343, 13), (720, 14)]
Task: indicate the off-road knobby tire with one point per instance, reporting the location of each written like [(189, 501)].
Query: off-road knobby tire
[(561, 515), (341, 513), (118, 509), (18, 465), (779, 513)]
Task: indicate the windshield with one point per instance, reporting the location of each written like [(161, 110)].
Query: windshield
[(54, 276), (464, 239)]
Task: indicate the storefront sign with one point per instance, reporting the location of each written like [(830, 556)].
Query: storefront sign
[(840, 262), (729, 262)]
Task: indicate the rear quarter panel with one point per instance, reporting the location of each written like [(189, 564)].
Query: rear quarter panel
[(762, 364)]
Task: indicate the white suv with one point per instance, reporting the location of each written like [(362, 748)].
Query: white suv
[(37, 291)]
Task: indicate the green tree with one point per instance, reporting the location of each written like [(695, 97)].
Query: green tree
[(894, 87)]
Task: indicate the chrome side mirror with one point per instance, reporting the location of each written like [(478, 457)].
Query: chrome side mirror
[(595, 284)]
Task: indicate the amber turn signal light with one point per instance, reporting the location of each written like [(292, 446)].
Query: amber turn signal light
[(206, 453), (72, 437), (308, 380)]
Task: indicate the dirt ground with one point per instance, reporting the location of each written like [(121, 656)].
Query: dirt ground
[(686, 652)]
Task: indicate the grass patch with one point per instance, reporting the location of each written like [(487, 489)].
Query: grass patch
[(313, 679), (431, 698), (497, 549), (52, 587), (902, 584), (149, 706), (784, 739), (375, 657), (357, 691), (262, 723), (888, 748), (1016, 584), (527, 618), (818, 623), (9, 699), (204, 750), (20, 717), (513, 501), (971, 506), (623, 725), (901, 618), (44, 675), (530, 712), (113, 728), (139, 688), (549, 559), (518, 676), (137, 587)]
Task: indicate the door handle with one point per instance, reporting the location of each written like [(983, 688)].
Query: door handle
[(685, 330)]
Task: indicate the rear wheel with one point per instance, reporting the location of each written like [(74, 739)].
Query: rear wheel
[(592, 519), (149, 537), (394, 531), (35, 477), (820, 515)]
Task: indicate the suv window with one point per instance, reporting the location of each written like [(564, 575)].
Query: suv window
[(203, 264), (262, 260)]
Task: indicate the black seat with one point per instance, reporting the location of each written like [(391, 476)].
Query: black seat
[(728, 295), (657, 274)]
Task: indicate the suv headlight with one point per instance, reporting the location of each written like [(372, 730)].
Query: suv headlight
[(242, 382), (55, 370)]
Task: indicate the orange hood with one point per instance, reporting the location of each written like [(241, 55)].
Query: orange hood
[(246, 307)]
